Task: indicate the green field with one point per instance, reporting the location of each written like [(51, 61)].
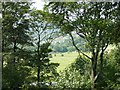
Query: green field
[(65, 60), (68, 58)]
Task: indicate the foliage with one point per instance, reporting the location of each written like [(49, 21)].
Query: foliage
[(77, 74), (28, 33), (110, 75), (15, 76), (21, 29), (15, 37), (74, 76), (47, 69), (93, 22), (42, 35)]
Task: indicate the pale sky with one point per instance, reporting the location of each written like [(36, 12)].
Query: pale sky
[(39, 4)]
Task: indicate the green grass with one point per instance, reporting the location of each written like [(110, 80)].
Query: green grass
[(65, 60), (68, 58)]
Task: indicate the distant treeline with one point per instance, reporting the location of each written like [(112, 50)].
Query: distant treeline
[(65, 44)]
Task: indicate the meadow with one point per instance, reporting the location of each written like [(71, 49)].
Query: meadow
[(65, 59)]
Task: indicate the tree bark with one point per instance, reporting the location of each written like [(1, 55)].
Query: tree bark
[(38, 74), (3, 45), (14, 50), (94, 69), (38, 67), (101, 62)]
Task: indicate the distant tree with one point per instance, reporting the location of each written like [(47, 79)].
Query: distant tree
[(65, 44)]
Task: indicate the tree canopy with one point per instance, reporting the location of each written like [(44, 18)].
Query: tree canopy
[(30, 36), (93, 21)]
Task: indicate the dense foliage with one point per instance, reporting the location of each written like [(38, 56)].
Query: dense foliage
[(77, 74), (23, 54), (94, 22), (15, 56), (30, 36)]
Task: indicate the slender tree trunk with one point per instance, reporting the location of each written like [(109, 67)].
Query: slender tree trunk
[(3, 45), (101, 58), (101, 62), (38, 74), (93, 74), (38, 68), (14, 60), (14, 50), (94, 70)]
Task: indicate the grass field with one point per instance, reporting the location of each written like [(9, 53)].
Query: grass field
[(65, 60), (68, 58)]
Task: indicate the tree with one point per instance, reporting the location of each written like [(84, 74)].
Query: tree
[(64, 44), (42, 37), (15, 38), (116, 32), (92, 21)]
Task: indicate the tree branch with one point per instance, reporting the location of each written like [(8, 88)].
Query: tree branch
[(79, 51)]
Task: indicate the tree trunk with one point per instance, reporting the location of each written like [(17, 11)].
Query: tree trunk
[(101, 62), (3, 45), (93, 71), (38, 74), (14, 49), (38, 52), (93, 74)]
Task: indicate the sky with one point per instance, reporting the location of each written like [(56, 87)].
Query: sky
[(38, 4)]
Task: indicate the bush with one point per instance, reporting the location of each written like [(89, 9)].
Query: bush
[(62, 55), (74, 76), (109, 77)]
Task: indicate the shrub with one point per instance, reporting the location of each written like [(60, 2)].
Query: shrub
[(109, 77), (62, 55), (54, 54), (74, 76)]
